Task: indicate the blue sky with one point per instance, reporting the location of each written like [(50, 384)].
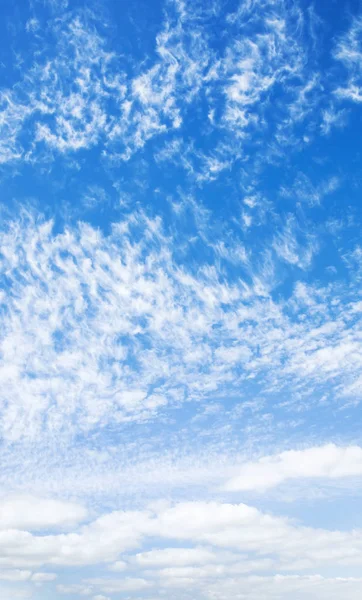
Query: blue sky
[(180, 300)]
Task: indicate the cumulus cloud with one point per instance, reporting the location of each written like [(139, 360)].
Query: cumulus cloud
[(28, 512), (328, 461), (213, 539)]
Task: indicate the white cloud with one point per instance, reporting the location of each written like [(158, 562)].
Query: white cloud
[(303, 189), (349, 51), (79, 589), (174, 556), (101, 329), (332, 118), (81, 95), (13, 114), (113, 586), (268, 55), (199, 542), (14, 575), (288, 247), (328, 461), (43, 577), (118, 566), (283, 587), (84, 95), (28, 512), (13, 593)]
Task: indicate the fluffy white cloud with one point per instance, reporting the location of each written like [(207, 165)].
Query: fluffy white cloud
[(28, 512), (197, 544), (205, 525), (328, 461)]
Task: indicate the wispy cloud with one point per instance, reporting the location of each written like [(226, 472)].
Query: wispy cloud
[(98, 328), (349, 52)]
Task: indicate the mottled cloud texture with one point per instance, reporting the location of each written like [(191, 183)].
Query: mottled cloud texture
[(180, 300)]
